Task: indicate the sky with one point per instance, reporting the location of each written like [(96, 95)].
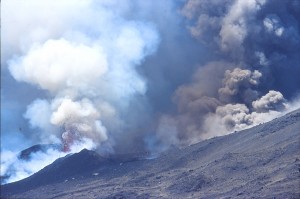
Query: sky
[(123, 76)]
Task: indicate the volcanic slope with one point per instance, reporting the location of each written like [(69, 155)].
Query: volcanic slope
[(261, 162)]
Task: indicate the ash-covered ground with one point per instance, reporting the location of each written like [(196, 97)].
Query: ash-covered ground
[(261, 162)]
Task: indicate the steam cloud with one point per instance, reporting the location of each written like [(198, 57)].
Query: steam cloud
[(123, 76), (85, 75), (85, 60)]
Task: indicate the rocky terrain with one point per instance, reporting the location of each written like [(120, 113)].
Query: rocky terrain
[(261, 162)]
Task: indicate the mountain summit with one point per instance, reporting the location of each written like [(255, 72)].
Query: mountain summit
[(261, 162)]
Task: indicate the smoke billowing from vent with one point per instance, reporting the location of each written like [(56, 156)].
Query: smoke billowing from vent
[(87, 68), (252, 74), (123, 76)]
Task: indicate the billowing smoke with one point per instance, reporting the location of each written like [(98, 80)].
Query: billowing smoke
[(252, 75), (273, 100), (83, 56), (89, 72), (237, 85), (124, 76)]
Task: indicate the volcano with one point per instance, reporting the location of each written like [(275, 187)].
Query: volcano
[(26, 153), (261, 162)]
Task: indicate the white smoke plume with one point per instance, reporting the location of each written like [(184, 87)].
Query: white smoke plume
[(58, 65), (80, 68), (83, 55)]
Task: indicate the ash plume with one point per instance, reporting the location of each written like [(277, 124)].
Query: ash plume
[(273, 100), (237, 84), (251, 76), (123, 76)]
